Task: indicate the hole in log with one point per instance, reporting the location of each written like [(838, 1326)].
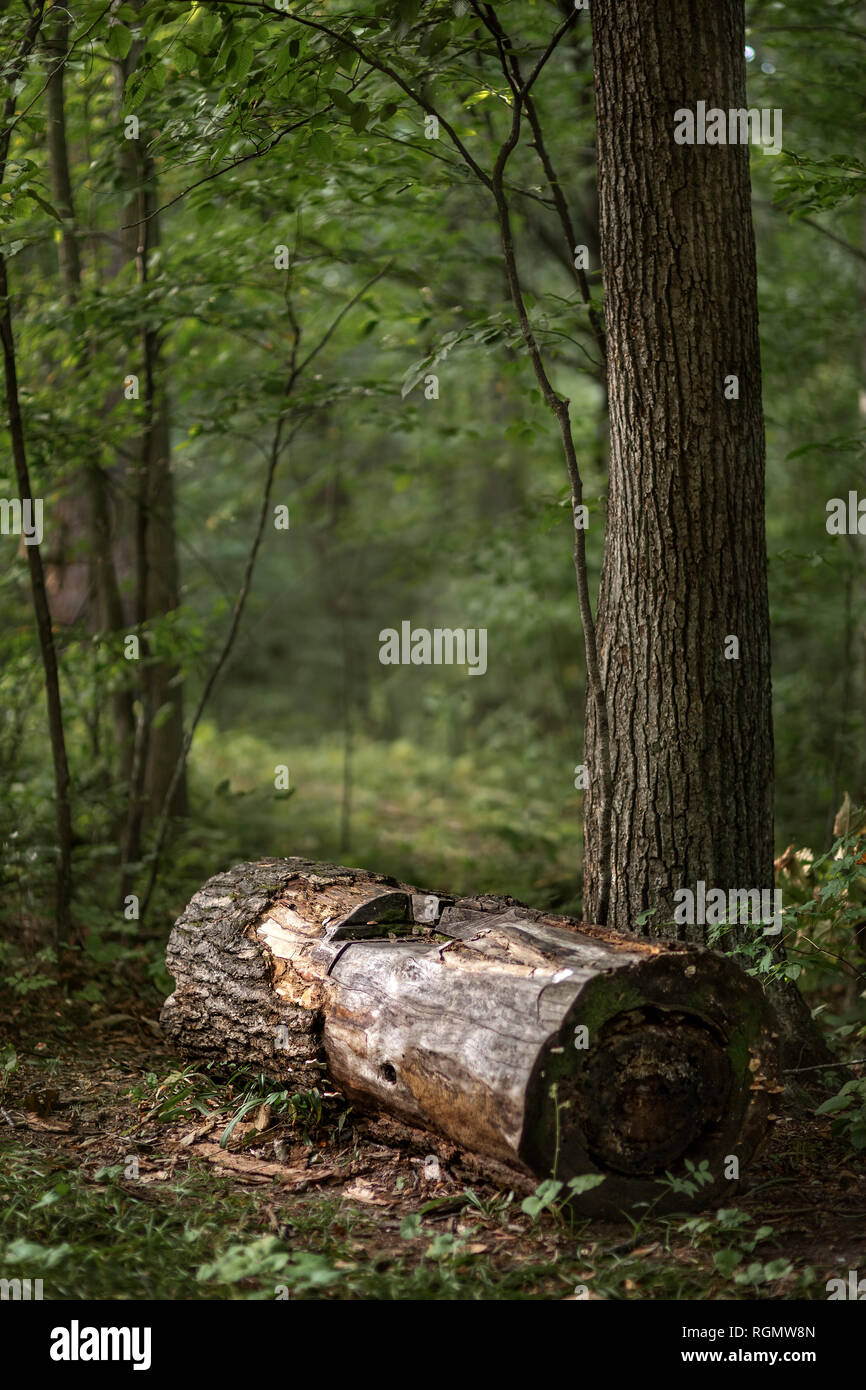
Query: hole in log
[(388, 1073), (651, 1093)]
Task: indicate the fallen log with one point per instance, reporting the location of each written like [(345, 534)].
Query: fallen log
[(541, 1044)]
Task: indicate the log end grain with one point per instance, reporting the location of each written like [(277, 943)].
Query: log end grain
[(678, 1069)]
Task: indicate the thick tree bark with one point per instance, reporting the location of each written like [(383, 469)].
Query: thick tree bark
[(685, 566), (685, 559), (466, 1019)]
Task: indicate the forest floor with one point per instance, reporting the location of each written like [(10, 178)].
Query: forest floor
[(114, 1184)]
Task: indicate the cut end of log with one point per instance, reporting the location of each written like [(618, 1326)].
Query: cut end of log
[(656, 1086), (679, 1068)]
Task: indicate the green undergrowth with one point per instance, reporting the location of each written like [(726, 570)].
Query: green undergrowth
[(95, 1235)]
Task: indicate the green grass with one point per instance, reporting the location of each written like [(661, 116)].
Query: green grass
[(463, 823), (100, 1235), (97, 1238)]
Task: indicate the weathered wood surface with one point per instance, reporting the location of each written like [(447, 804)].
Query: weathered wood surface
[(528, 1039)]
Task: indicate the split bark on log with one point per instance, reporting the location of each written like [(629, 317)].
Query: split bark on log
[(530, 1040)]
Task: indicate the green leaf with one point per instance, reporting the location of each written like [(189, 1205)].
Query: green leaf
[(545, 1194), (184, 57), (47, 1255), (162, 716), (359, 117), (414, 374), (206, 23), (585, 1182), (284, 60), (726, 1261), (221, 148), (341, 101), (346, 58), (435, 40), (321, 145), (835, 1103), (44, 204), (119, 41), (240, 62)]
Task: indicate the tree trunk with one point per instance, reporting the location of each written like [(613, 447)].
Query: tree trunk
[(66, 930), (685, 565), (105, 606), (151, 520), (544, 1047)]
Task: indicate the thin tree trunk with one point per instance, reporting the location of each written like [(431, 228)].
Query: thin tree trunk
[(158, 748), (131, 849), (56, 42), (163, 596), (63, 916), (104, 601), (348, 741), (858, 776)]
